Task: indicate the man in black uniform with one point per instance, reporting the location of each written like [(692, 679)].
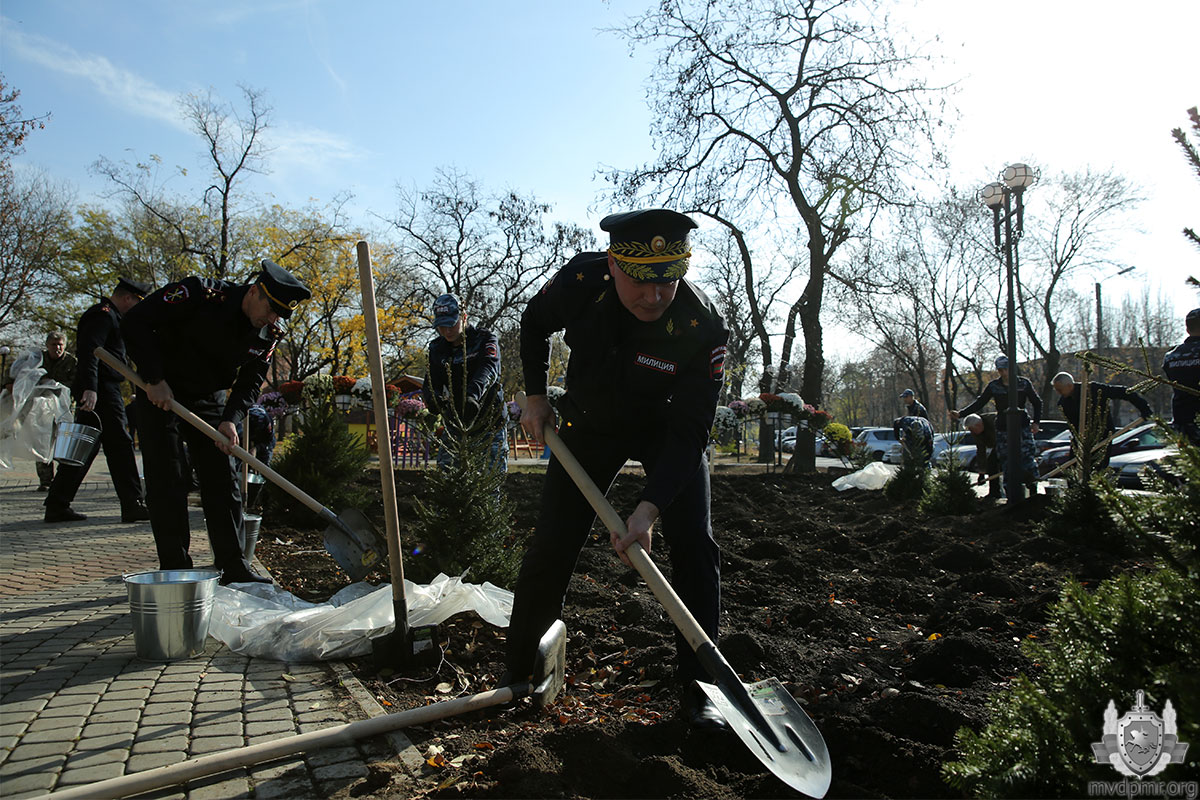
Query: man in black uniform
[(646, 366), (97, 391), (60, 367), (997, 390), (1182, 365), (463, 380), (1100, 398), (913, 406), (191, 341)]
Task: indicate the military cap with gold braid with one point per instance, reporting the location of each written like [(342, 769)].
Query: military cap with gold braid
[(281, 288), (650, 245)]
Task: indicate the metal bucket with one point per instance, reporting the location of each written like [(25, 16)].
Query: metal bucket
[(74, 442), (1055, 486), (171, 610), (253, 521)]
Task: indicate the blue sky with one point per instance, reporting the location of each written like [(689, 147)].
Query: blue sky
[(532, 95)]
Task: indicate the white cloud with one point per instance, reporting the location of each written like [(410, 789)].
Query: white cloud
[(124, 89)]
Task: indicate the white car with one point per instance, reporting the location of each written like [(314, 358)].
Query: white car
[(877, 441)]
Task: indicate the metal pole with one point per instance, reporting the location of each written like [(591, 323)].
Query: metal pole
[(1099, 319), (1015, 487)]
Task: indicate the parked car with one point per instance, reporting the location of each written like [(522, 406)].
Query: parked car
[(1049, 428), (876, 441), (1129, 467), (942, 442), (1062, 439), (1143, 437)]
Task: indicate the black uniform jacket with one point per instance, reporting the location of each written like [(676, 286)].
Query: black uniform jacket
[(655, 383), (1100, 397), (1182, 365), (100, 326), (194, 334), (995, 390), (444, 382)]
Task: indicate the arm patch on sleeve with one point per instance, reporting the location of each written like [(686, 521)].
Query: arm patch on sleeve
[(716, 364)]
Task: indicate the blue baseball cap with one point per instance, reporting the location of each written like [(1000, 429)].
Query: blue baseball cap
[(1002, 362), (445, 311), (908, 393)]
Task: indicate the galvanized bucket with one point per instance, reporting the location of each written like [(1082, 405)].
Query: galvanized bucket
[(253, 521), (74, 442), (171, 610)]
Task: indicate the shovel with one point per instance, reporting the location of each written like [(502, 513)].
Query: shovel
[(543, 688), (350, 537), (764, 715)]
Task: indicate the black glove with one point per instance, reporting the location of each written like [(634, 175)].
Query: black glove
[(470, 410)]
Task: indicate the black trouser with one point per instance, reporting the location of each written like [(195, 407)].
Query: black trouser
[(118, 452), (162, 434), (562, 529)]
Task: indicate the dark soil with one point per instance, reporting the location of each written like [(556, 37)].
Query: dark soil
[(890, 628)]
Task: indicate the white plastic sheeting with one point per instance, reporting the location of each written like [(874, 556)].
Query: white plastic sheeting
[(873, 476), (31, 412), (261, 620)]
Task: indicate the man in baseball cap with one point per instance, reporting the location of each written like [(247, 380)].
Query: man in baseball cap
[(914, 406)]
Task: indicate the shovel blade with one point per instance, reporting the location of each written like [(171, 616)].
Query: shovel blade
[(354, 544), (803, 761)]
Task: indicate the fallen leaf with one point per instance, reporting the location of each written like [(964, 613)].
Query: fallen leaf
[(443, 688), (287, 677)]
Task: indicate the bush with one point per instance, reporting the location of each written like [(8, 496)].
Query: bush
[(951, 489), (838, 435), (1134, 632), (912, 479), (322, 458)]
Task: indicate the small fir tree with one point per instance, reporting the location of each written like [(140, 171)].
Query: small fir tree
[(912, 479), (322, 458), (950, 490)]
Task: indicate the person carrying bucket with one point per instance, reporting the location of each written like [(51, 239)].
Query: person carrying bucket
[(97, 392), (192, 341)]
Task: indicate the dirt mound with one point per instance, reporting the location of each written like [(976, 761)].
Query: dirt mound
[(889, 627)]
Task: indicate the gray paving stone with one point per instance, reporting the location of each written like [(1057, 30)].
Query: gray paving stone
[(52, 735), (22, 707), (51, 723), (173, 718), (348, 769), (214, 744), (91, 774), (205, 696), (92, 729), (284, 787), (53, 763), (37, 781), (268, 737), (225, 726), (7, 743), (331, 755), (292, 767), (219, 790), (161, 744), (91, 758), (129, 715), (110, 741), (327, 715), (71, 700), (30, 750), (218, 706), (161, 696), (126, 694), (267, 728), (154, 708), (116, 705), (279, 714), (140, 762), (83, 710), (85, 688)]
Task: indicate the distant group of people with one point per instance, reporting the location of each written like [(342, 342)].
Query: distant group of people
[(1181, 366)]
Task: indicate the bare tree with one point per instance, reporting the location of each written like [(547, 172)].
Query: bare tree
[(759, 103), (207, 232), (1070, 228), (493, 252)]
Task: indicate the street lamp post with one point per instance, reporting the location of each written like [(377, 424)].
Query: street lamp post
[(1005, 199), (1100, 341), (4, 351)]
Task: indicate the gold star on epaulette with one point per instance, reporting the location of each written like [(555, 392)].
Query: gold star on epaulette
[(695, 323), (578, 276)]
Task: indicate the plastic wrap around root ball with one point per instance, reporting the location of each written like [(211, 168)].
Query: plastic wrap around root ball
[(265, 621)]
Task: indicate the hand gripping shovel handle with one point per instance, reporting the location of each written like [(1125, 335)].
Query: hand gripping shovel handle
[(212, 433), (710, 657)]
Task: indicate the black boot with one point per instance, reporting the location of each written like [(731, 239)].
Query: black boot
[(138, 513), (242, 575), (698, 710), (62, 514)]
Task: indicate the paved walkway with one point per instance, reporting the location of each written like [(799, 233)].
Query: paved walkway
[(77, 706)]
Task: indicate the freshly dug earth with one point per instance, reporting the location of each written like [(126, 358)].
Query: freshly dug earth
[(889, 627)]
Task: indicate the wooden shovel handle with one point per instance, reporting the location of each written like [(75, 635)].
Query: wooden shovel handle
[(683, 619), (212, 433)]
